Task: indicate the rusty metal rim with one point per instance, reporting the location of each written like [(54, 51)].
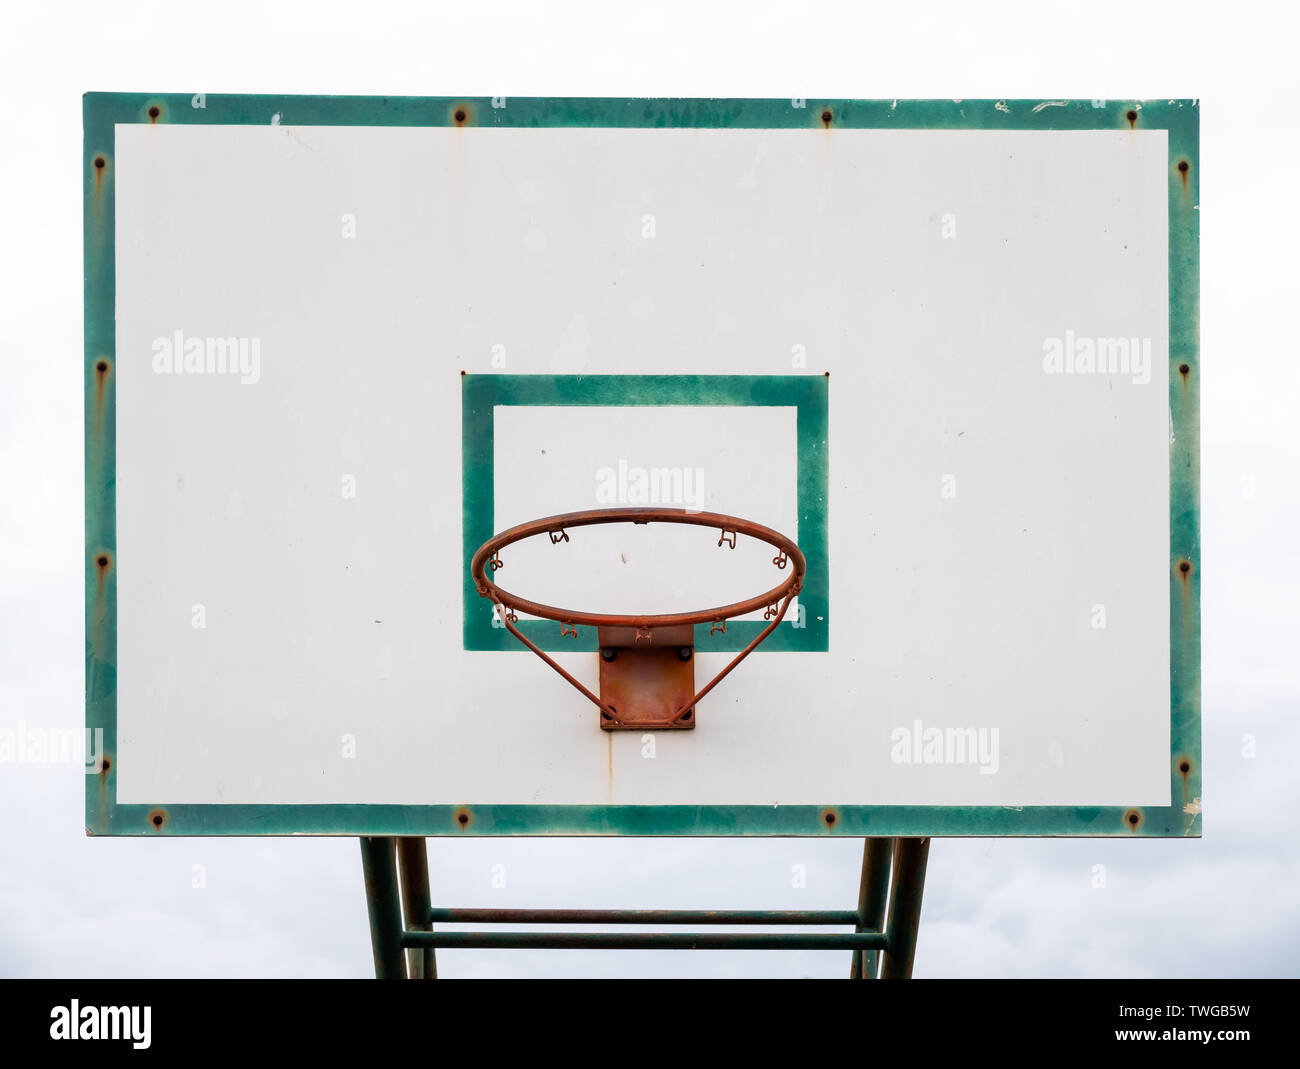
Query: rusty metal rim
[(556, 526)]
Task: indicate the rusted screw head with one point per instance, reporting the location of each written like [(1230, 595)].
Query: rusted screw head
[(684, 653), (608, 653)]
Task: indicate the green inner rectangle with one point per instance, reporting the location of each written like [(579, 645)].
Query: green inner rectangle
[(481, 395)]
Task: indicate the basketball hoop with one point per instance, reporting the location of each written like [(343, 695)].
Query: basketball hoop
[(647, 674)]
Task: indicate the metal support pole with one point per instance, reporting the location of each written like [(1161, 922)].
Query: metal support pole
[(646, 940), (413, 866), (910, 856), (873, 894), (644, 916), (380, 872)]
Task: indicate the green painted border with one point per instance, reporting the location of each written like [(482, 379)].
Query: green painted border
[(1181, 120), (807, 394)]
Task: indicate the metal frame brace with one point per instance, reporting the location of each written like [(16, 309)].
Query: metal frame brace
[(882, 942)]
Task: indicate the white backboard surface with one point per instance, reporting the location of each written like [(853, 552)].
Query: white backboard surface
[(292, 623)]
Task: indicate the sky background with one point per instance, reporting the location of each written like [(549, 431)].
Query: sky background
[(1225, 905)]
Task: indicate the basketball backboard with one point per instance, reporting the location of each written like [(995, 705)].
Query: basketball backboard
[(948, 348)]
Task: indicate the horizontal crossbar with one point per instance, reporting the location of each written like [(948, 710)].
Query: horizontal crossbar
[(646, 940), (644, 916)]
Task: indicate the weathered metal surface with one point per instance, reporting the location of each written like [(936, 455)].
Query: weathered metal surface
[(646, 687), (413, 868), (105, 816), (379, 869), (643, 686), (487, 560), (905, 894), (873, 891), (873, 937), (645, 940), (442, 915)]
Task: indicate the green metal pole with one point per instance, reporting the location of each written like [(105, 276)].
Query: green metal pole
[(380, 872), (873, 896), (413, 865), (646, 940), (910, 856), (840, 917)]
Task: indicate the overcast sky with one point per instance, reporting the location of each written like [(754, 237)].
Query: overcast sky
[(1228, 904)]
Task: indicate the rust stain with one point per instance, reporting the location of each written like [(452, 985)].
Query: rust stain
[(154, 112), (1184, 767), (1185, 574), (100, 164), (827, 118), (830, 817), (463, 818), (1183, 169), (643, 694), (101, 380), (104, 768), (102, 563), (462, 115), (157, 818), (1133, 819), (1132, 117), (1184, 370)]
